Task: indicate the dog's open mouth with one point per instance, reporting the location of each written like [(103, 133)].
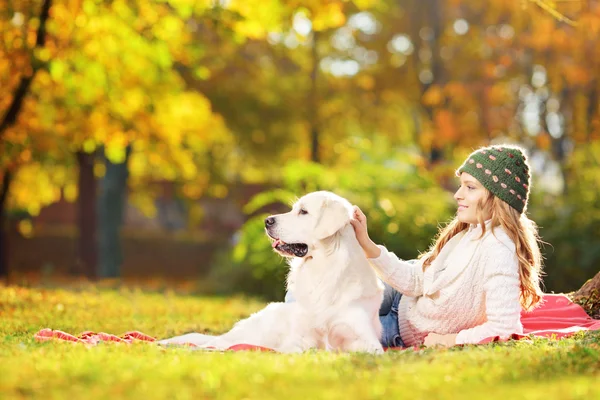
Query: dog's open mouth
[(291, 249)]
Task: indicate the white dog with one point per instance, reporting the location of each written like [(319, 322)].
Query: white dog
[(337, 294)]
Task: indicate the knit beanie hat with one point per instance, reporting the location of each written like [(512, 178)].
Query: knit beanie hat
[(503, 170)]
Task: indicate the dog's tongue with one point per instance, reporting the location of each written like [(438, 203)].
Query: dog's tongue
[(277, 243)]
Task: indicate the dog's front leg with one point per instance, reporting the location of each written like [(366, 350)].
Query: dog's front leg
[(298, 343), (300, 335), (353, 331)]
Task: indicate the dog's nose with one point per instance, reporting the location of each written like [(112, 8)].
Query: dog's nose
[(269, 221)]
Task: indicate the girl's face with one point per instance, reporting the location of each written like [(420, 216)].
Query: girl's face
[(469, 195)]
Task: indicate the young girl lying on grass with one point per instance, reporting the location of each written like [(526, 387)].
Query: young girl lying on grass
[(484, 267)]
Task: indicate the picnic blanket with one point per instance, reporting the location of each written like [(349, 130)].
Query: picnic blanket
[(557, 317)]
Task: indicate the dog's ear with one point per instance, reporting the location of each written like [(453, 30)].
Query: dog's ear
[(334, 216)]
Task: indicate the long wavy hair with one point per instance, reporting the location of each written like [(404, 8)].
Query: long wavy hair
[(520, 229)]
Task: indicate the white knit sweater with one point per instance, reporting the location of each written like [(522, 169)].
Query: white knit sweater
[(472, 288)]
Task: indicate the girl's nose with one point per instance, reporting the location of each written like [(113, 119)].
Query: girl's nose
[(457, 195)]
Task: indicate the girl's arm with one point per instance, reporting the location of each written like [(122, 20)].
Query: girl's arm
[(502, 294), (404, 276)]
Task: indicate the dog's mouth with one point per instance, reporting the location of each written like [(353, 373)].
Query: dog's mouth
[(290, 249)]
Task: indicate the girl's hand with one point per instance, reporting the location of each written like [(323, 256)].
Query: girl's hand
[(359, 223), (433, 339)]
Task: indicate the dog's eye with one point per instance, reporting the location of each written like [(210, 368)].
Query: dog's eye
[(302, 212)]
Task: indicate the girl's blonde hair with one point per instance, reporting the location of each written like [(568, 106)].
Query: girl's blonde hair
[(522, 231)]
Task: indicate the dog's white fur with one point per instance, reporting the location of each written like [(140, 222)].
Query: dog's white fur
[(337, 294)]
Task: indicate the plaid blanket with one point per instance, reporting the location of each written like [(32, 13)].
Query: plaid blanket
[(556, 317)]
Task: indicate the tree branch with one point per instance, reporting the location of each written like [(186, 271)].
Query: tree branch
[(11, 115), (544, 5), (6, 179)]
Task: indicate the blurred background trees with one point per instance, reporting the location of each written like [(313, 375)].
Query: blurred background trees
[(150, 139)]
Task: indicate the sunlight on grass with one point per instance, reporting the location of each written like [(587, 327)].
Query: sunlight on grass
[(566, 369)]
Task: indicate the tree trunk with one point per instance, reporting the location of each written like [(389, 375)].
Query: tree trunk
[(18, 97), (428, 14), (87, 250), (588, 297), (111, 204), (434, 10), (313, 103), (8, 120), (4, 269), (590, 288)]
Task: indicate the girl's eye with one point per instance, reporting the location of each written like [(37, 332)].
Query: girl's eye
[(303, 212), (471, 187)]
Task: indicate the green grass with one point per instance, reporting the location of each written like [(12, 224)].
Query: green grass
[(539, 369)]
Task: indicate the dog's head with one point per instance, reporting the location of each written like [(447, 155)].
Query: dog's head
[(314, 217)]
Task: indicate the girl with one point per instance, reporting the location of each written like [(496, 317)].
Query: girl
[(484, 267)]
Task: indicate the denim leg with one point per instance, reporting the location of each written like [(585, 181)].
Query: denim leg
[(289, 297), (388, 315), (389, 293), (389, 297)]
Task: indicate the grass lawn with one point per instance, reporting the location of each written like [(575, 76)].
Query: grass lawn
[(542, 369)]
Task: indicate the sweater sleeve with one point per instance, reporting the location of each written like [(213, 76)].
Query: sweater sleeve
[(502, 297), (404, 276)]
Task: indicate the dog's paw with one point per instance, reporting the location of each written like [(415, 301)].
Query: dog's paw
[(360, 346), (292, 346), (290, 349)]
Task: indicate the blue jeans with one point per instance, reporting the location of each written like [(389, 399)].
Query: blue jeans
[(388, 315)]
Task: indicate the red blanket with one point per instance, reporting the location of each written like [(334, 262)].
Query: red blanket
[(556, 317)]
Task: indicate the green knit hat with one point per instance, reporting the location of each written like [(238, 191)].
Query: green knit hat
[(503, 170)]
